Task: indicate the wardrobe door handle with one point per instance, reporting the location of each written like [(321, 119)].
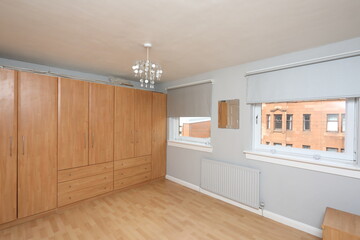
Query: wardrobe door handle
[(23, 145), (84, 140), (11, 140), (92, 140)]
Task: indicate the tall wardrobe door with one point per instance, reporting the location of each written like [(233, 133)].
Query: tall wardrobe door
[(73, 123), (143, 109), (158, 135), (124, 123), (8, 145), (101, 123), (37, 143)]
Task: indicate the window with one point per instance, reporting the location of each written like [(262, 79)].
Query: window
[(267, 121), (289, 121), (331, 149), (189, 115), (267, 143), (277, 121), (332, 124), (343, 123), (191, 129), (315, 115), (306, 122)]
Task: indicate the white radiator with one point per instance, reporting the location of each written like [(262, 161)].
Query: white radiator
[(235, 182)]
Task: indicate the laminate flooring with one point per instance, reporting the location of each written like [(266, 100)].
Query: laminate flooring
[(156, 211)]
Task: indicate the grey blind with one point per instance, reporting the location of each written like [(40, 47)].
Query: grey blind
[(326, 80), (190, 101)]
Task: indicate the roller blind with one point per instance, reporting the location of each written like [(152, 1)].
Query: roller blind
[(190, 101), (332, 79)]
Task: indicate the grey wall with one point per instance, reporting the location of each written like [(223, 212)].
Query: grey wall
[(295, 193)]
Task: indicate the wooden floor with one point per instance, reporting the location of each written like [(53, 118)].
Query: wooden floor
[(160, 210)]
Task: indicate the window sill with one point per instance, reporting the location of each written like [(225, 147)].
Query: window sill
[(347, 170), (190, 145)]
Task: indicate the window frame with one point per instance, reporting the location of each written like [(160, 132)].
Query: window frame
[(348, 157), (343, 119)]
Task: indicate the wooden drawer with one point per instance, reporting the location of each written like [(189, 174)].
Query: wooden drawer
[(74, 196), (131, 162), (339, 225), (125, 182), (81, 172), (132, 171), (75, 185)]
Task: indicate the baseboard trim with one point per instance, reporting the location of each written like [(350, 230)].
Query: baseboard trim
[(237, 204), (293, 223), (273, 216), (182, 182)]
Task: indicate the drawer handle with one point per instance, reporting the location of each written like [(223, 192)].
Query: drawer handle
[(11, 140), (84, 140), (23, 145)]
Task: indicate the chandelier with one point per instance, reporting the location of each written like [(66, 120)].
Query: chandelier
[(147, 71)]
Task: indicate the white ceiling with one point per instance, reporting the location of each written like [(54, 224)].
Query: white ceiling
[(188, 37)]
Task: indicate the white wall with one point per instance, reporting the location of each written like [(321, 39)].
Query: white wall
[(298, 194)]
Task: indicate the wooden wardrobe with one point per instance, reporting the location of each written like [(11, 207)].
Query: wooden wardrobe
[(133, 129), (65, 140), (8, 145)]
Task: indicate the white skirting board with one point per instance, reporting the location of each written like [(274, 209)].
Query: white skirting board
[(276, 217)]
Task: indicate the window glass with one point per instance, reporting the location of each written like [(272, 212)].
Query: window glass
[(289, 121), (306, 122), (196, 127), (314, 124), (332, 123), (331, 149), (267, 121), (277, 121)]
